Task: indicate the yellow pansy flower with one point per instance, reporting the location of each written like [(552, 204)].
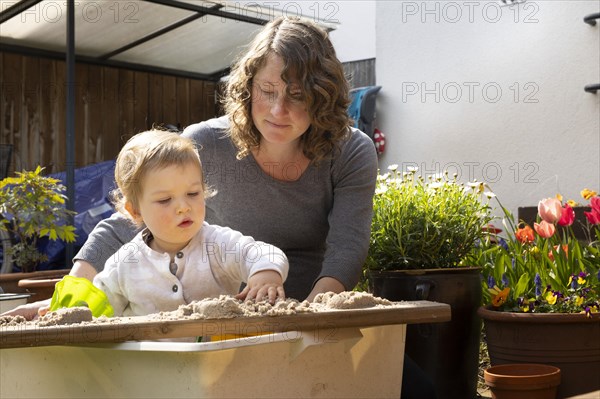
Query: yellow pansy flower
[(551, 298), (579, 301)]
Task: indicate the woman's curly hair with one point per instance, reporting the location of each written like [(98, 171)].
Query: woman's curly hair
[(310, 60)]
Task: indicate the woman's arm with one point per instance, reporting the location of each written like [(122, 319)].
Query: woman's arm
[(106, 239), (83, 269), (354, 175)]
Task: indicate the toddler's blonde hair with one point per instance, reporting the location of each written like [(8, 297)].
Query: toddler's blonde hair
[(146, 151)]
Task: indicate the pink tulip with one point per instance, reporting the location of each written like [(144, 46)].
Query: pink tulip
[(568, 216), (550, 210), (593, 217), (544, 229)]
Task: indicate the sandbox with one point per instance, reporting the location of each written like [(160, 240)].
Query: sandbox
[(332, 353), (348, 363)]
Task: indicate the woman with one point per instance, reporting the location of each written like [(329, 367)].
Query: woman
[(285, 165)]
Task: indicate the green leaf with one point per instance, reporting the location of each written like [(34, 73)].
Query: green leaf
[(53, 236), (35, 204), (522, 286)]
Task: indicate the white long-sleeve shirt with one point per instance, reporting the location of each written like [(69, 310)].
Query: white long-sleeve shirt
[(138, 280)]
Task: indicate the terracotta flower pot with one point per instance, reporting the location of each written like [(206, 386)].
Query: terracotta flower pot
[(40, 287), (523, 381), (567, 341), (39, 284)]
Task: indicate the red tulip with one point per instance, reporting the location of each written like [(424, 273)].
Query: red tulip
[(568, 216), (550, 210), (544, 229), (595, 204)]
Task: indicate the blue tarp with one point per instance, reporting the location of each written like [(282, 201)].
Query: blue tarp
[(93, 185)]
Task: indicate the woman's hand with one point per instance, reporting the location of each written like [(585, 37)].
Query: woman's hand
[(263, 285), (325, 284)]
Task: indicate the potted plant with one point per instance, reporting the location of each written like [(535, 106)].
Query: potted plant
[(423, 231), (542, 294), (32, 206)]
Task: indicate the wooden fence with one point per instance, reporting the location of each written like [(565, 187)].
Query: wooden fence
[(360, 73), (112, 104)]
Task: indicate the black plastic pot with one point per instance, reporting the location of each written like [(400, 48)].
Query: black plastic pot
[(447, 352)]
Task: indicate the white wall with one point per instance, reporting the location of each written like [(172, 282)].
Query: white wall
[(354, 39), (493, 93), (354, 21)]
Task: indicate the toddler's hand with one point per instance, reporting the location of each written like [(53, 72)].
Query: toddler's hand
[(30, 311), (263, 285)]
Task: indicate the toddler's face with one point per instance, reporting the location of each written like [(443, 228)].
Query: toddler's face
[(172, 205)]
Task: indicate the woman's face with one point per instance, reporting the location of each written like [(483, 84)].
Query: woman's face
[(281, 118)]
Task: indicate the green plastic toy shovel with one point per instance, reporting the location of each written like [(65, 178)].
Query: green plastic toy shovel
[(74, 291)]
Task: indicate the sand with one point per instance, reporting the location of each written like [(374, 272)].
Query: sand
[(66, 316), (11, 320), (226, 306), (349, 300), (223, 307), (59, 317)]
